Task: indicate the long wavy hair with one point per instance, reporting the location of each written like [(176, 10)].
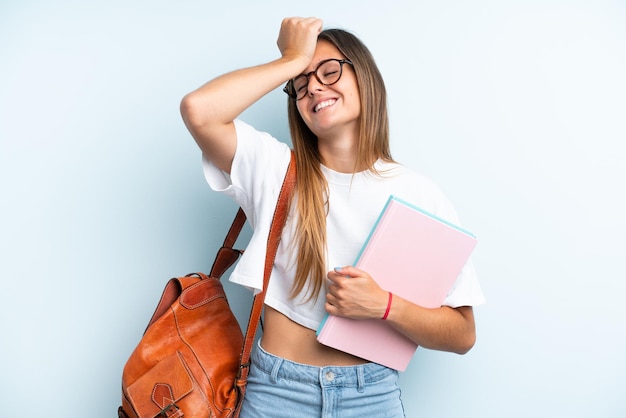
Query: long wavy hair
[(312, 188)]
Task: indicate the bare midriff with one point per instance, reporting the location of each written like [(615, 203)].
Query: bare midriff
[(284, 338)]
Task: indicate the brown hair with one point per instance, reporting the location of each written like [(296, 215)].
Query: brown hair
[(312, 188)]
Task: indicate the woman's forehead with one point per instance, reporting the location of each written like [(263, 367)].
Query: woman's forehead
[(324, 51)]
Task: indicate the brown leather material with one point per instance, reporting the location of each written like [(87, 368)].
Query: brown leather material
[(171, 411), (278, 222), (193, 359), (225, 258), (227, 255)]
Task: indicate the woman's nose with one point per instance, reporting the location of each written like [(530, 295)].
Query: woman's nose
[(314, 85)]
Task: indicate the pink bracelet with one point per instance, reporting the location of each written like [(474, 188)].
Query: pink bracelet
[(388, 307)]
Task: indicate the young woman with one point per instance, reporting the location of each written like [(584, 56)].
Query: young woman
[(345, 174)]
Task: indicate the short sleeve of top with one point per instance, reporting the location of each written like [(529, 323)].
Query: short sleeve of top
[(257, 174), (355, 202)]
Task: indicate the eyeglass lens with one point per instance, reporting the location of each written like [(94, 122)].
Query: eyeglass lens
[(327, 73)]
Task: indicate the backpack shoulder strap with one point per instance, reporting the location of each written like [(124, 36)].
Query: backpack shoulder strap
[(278, 222)]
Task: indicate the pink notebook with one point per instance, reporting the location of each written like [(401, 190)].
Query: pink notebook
[(410, 253)]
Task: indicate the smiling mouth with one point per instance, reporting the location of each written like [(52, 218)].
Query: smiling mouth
[(324, 104)]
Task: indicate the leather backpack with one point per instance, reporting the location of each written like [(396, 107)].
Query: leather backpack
[(193, 359)]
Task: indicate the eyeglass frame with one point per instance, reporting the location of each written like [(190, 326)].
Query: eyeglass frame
[(289, 86)]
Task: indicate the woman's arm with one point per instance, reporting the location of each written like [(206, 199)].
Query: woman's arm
[(354, 294), (444, 328), (209, 111)]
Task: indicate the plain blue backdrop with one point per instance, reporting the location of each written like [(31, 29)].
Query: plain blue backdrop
[(515, 108)]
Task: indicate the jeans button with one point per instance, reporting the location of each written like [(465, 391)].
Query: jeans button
[(330, 376)]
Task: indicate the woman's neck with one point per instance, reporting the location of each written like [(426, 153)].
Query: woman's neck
[(340, 153)]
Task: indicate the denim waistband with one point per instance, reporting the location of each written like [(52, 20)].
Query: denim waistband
[(346, 376)]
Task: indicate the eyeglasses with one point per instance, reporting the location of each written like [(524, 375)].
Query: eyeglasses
[(328, 72)]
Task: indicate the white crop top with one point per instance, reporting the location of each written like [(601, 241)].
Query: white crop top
[(355, 202)]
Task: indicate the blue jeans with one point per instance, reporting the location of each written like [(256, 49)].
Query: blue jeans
[(279, 388)]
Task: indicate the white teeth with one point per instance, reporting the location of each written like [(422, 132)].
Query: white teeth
[(324, 104)]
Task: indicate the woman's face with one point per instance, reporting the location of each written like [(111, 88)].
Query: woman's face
[(335, 109)]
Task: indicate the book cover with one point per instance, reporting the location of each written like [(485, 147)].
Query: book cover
[(411, 253)]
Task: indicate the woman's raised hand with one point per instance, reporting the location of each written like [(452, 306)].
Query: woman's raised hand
[(298, 38), (210, 110)]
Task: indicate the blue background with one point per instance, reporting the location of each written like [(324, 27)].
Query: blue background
[(515, 108)]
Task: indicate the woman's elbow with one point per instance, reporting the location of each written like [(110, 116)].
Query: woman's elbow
[(466, 337), (466, 343), (191, 111)]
